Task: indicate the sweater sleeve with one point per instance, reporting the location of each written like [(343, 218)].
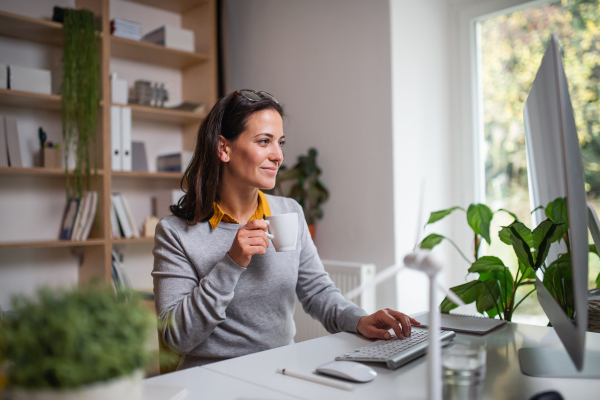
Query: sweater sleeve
[(316, 291), (188, 308)]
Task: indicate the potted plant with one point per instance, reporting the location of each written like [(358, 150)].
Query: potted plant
[(307, 189), (81, 343), (495, 290), (80, 92)]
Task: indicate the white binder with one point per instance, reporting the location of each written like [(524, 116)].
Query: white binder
[(126, 139), (115, 138)]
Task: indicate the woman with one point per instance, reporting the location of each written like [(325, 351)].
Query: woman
[(221, 289)]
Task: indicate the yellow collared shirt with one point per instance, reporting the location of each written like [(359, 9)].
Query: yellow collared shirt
[(219, 215)]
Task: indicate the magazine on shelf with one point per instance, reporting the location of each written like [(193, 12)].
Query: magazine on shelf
[(68, 220)]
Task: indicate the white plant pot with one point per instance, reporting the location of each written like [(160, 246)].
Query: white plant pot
[(125, 387)]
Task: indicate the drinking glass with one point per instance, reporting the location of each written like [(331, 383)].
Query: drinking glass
[(463, 370)]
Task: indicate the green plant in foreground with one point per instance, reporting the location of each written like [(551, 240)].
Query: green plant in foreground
[(80, 94), (69, 338), (307, 190), (495, 290)]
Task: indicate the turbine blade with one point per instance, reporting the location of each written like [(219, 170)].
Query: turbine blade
[(379, 278), (451, 295)]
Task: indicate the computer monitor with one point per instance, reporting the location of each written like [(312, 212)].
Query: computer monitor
[(555, 170)]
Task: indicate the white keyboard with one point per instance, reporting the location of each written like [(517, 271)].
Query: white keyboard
[(395, 352)]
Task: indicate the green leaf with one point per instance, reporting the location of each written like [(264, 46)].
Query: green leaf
[(521, 248), (487, 264), (468, 292), (479, 217), (558, 279), (557, 211), (489, 296), (526, 271), (545, 242), (438, 215), (540, 232), (598, 281), (431, 241), (593, 249), (503, 279), (504, 235), (524, 232)]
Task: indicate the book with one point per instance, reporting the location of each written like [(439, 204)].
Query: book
[(126, 29), (175, 162), (90, 217), (12, 141), (125, 138), (172, 37), (121, 216), (130, 219), (115, 138), (3, 146), (475, 324), (139, 161), (114, 223), (83, 208), (68, 221)]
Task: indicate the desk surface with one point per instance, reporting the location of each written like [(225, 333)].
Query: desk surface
[(504, 379)]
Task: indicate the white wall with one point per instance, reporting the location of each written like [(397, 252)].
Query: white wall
[(328, 62)]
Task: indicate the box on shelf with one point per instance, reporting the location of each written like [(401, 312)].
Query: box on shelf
[(29, 79), (118, 89), (52, 157), (138, 157), (175, 162), (172, 37), (3, 76), (164, 199)]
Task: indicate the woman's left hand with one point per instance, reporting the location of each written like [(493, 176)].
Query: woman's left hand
[(376, 325)]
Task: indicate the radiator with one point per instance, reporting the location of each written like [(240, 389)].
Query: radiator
[(346, 276)]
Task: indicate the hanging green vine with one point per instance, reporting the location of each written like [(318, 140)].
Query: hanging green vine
[(80, 95)]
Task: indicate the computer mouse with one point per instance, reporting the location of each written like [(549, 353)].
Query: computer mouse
[(350, 370), (549, 395)]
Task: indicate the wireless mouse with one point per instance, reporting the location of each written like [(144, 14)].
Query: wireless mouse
[(350, 370)]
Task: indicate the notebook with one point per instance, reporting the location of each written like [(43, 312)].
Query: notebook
[(478, 325)]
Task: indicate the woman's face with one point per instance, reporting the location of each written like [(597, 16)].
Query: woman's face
[(255, 156)]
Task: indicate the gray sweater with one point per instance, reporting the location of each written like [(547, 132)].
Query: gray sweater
[(215, 309)]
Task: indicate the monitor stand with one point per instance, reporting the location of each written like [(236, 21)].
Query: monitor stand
[(556, 363)]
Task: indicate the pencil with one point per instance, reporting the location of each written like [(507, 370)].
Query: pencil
[(316, 379)]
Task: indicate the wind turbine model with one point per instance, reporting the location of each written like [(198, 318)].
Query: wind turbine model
[(424, 261)]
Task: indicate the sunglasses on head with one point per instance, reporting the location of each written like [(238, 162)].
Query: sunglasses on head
[(255, 96)]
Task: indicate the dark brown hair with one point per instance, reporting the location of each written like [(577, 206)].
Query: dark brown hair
[(228, 118)]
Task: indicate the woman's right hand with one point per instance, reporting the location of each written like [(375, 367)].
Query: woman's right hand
[(250, 239)]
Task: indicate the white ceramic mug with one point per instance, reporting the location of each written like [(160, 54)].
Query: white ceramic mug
[(283, 231)]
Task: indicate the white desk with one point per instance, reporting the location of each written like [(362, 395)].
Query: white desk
[(504, 378)]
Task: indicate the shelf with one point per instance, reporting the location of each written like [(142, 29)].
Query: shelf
[(10, 97), (147, 175), (163, 114), (178, 6), (154, 54), (37, 171), (33, 29), (52, 243), (134, 240)]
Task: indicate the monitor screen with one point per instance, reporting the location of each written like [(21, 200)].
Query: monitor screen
[(556, 183)]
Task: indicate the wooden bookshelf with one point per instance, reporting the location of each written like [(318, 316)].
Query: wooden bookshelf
[(17, 98), (37, 171), (151, 53), (147, 175), (178, 6), (134, 240), (164, 114), (31, 29), (199, 85), (52, 243)]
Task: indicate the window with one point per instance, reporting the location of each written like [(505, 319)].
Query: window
[(510, 48)]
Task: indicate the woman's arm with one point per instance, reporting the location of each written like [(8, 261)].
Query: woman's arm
[(317, 292), (188, 308)]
